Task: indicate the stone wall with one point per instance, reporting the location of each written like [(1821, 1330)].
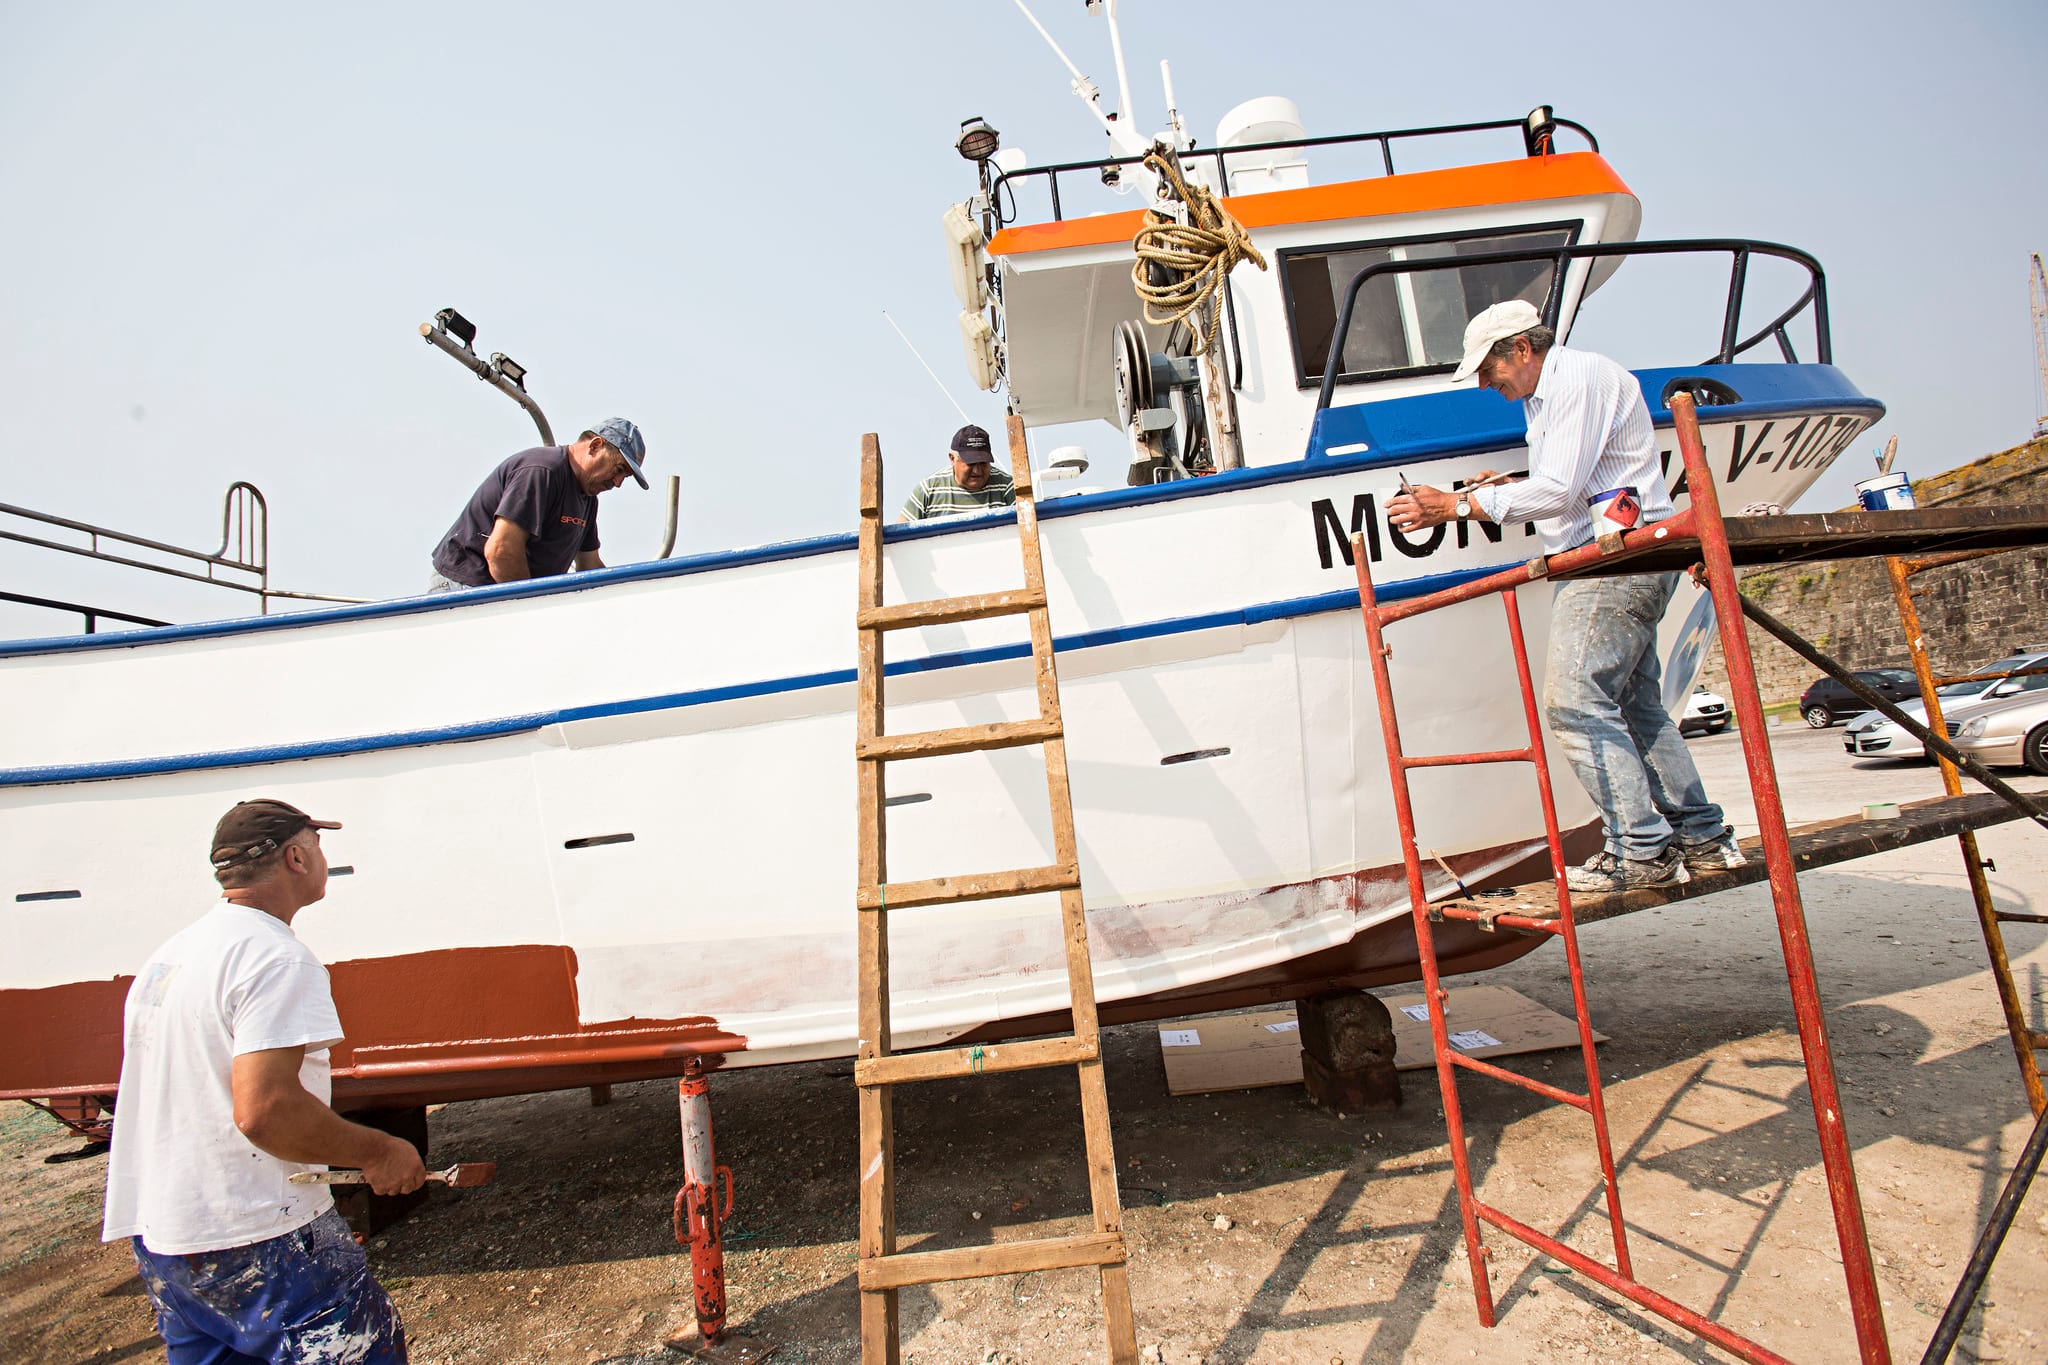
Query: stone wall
[(1971, 613)]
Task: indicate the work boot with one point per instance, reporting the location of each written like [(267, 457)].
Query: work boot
[(1604, 873), (1712, 855)]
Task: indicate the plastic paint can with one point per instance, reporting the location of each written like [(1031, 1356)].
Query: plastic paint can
[(1886, 493), (1616, 510)]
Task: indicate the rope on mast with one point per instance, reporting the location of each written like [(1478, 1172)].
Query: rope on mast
[(1190, 259)]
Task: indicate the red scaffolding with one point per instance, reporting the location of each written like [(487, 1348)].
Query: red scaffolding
[(1697, 537)]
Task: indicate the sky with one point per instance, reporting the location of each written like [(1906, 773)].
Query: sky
[(224, 223)]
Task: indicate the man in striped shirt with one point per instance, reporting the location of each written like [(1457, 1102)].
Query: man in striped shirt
[(1590, 435), (973, 484)]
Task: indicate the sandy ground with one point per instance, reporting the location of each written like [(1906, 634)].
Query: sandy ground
[(1260, 1229)]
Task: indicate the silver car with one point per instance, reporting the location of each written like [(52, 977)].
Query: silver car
[(1875, 735), (2011, 732)]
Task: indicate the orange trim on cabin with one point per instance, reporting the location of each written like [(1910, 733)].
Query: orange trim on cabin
[(1570, 175)]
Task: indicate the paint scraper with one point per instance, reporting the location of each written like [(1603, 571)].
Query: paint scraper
[(461, 1176)]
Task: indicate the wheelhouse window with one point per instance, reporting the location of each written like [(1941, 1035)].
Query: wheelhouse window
[(1407, 323)]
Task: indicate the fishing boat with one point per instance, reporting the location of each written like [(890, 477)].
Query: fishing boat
[(570, 867)]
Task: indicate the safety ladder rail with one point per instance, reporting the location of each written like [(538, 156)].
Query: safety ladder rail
[(1702, 520), (883, 1270)]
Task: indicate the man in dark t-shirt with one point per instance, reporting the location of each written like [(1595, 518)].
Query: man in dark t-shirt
[(536, 514)]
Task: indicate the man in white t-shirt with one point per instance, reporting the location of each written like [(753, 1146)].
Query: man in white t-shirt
[(224, 1094)]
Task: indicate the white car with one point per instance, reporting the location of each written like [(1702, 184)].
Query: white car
[(1875, 735), (1706, 713), (2009, 733)]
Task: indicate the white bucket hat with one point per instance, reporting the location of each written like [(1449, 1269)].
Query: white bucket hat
[(1497, 323)]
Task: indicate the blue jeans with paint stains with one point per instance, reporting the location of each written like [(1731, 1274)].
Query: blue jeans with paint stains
[(306, 1298), (1604, 698)]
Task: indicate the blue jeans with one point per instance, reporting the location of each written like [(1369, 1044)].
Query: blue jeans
[(1605, 703), (305, 1298)]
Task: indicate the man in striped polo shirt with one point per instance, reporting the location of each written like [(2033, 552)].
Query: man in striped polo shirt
[(973, 484), (1590, 435)]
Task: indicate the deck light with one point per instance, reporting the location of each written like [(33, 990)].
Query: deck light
[(1538, 130), (510, 368), (460, 327), (977, 141)]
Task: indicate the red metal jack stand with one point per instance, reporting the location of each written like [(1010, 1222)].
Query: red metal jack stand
[(699, 1216)]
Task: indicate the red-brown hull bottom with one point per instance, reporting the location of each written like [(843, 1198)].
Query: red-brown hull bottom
[(471, 1023)]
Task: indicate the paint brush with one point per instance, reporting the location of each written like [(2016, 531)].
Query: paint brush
[(462, 1175), (1463, 889), (1891, 452)]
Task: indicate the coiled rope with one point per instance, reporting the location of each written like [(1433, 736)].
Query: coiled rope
[(1195, 256)]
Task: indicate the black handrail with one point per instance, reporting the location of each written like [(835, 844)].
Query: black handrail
[(92, 615), (1739, 249), (1384, 139)]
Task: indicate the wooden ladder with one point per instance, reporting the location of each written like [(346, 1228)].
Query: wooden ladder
[(883, 1269)]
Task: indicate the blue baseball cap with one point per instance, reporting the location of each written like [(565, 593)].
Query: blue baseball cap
[(625, 438)]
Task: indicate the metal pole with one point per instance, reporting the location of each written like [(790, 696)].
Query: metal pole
[(1864, 1305), (1973, 858), (438, 337), (1979, 1268), (698, 1212)]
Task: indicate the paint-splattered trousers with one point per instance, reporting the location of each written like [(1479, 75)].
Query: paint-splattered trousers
[(306, 1298), (1604, 698)]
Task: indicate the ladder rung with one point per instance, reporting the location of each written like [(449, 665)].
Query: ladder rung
[(1453, 760), (953, 1062), (1007, 1258), (939, 611), (974, 886), (965, 739), (2037, 1041), (2018, 917), (1501, 1073), (1498, 919)]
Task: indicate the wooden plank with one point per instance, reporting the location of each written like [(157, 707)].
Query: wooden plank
[(972, 886), (1004, 1258), (879, 1318), (955, 1062), (1808, 536), (962, 739), (939, 611), (1814, 846)]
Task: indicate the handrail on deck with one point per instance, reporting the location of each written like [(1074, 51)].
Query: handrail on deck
[(1106, 167), (1738, 249)]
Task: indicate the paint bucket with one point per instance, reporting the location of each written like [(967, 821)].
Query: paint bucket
[(1886, 493), (1881, 810), (1616, 510)]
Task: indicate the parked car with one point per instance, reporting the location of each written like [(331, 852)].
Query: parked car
[(1876, 735), (2010, 732), (1706, 713), (1827, 701)]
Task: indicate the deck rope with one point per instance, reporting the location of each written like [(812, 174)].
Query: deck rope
[(1198, 254)]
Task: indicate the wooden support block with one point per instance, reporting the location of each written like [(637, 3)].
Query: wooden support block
[(955, 1062), (965, 739), (1007, 1258), (939, 611), (975, 886)]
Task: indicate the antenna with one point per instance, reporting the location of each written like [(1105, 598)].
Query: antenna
[(1125, 110), (928, 369), (1124, 139), (2037, 299)]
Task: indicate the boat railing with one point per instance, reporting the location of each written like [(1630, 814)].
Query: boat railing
[(241, 563), (1739, 251), (1536, 140)]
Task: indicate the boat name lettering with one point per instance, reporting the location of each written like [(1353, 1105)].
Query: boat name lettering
[(1333, 537)]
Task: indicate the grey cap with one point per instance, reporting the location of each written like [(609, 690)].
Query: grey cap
[(625, 438)]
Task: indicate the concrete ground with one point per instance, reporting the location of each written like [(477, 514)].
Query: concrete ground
[(1260, 1229)]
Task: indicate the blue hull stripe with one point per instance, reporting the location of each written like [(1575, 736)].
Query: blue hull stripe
[(1318, 604), (1399, 431)]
